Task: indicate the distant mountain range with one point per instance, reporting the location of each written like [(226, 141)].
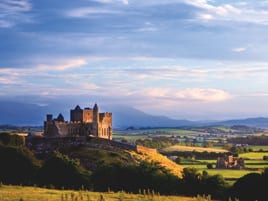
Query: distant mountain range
[(126, 116), (14, 113)]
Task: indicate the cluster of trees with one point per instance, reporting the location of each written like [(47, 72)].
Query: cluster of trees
[(11, 140), (19, 166), (194, 154), (152, 176), (236, 150), (157, 142), (250, 140), (251, 187)]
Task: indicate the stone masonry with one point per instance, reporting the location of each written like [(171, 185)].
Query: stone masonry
[(83, 122)]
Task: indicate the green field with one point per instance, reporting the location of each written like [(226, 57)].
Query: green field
[(254, 155), (257, 148), (230, 174), (18, 193)]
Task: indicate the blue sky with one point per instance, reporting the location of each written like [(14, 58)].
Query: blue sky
[(186, 59)]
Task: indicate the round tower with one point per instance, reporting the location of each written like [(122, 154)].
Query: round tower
[(96, 113)]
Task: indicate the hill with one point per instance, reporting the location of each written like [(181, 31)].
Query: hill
[(19, 113), (130, 117), (97, 152), (261, 122)]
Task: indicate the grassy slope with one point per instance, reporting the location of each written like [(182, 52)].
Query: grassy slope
[(106, 153), (162, 160), (15, 193)]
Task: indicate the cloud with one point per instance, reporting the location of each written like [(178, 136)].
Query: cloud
[(222, 10), (188, 94), (203, 94), (205, 16), (66, 65), (125, 2), (15, 5), (239, 49), (11, 12), (247, 12), (26, 75), (89, 11)]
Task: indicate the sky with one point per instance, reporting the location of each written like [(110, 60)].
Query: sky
[(186, 59)]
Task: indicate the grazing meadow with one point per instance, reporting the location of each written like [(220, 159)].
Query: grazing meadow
[(19, 193)]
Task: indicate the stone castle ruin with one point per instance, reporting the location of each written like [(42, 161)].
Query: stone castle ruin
[(230, 162), (83, 122)]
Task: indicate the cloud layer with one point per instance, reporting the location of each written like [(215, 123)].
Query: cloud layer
[(185, 58)]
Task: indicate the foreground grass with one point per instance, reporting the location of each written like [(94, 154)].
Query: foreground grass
[(18, 193)]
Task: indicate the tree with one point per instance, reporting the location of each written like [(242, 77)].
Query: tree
[(214, 185), (9, 139), (248, 188), (210, 166), (178, 160), (18, 165), (191, 181), (61, 171)]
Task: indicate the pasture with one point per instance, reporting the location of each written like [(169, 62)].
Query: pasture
[(229, 174), (19, 193), (253, 155)]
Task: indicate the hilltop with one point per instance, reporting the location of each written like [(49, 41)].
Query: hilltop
[(95, 152)]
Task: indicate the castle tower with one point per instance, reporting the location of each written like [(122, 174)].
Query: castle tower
[(96, 117), (49, 117), (96, 120)]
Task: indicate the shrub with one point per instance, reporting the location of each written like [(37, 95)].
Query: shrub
[(9, 139), (210, 166), (265, 157)]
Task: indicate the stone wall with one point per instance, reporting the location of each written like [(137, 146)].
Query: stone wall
[(143, 149)]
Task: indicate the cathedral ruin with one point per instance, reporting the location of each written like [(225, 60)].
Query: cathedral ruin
[(83, 122)]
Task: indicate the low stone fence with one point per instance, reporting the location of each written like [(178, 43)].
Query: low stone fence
[(143, 149)]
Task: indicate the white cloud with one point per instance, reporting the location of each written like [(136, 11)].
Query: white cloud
[(219, 10), (203, 94), (188, 94), (125, 2), (255, 12), (89, 11), (11, 12), (19, 75), (113, 1), (66, 65), (205, 16), (15, 5), (239, 49)]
